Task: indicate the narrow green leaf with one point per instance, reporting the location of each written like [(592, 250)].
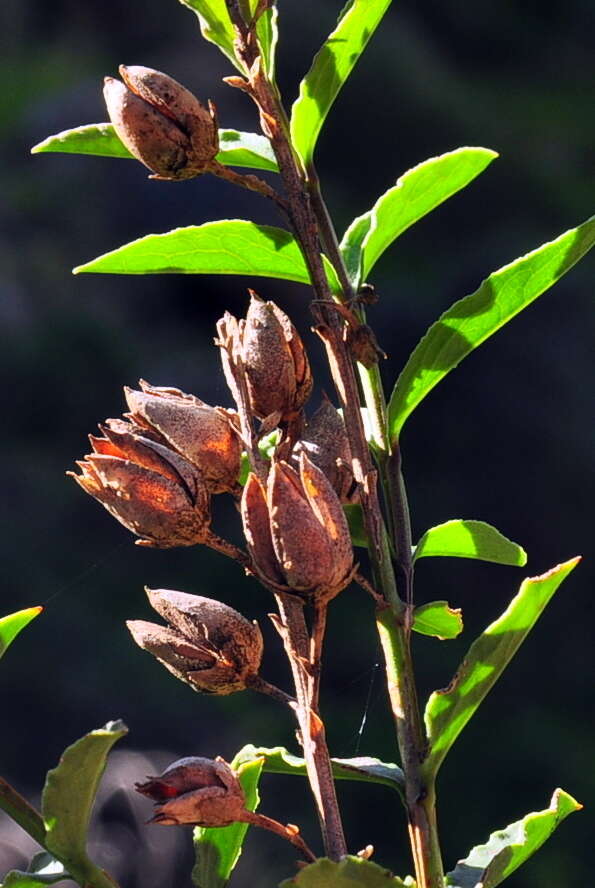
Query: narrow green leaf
[(330, 69), (471, 320), (488, 865), (215, 26), (267, 33), (11, 625), (416, 193), (230, 246), (100, 139), (449, 710), (218, 849), (266, 446), (277, 760), (43, 870), (68, 797), (466, 538), (350, 872), (438, 619)]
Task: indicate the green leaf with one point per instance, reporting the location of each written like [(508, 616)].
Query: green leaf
[(416, 193), (351, 872), (355, 522), (215, 26), (466, 538), (267, 33), (438, 619), (330, 69), (277, 760), (488, 865), (68, 797), (11, 625), (449, 710), (218, 849), (471, 320), (100, 139), (231, 246), (43, 870), (266, 446)]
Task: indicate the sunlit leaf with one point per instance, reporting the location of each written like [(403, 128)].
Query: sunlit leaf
[(416, 193), (438, 619), (330, 69), (218, 849), (267, 33), (488, 865), (235, 148), (466, 538), (68, 797), (43, 870), (215, 26), (350, 872), (449, 710), (11, 625), (277, 760), (471, 320), (231, 246)]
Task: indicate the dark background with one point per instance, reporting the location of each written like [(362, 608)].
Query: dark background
[(504, 439)]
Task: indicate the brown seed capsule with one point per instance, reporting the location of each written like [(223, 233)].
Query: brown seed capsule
[(204, 792), (151, 490), (305, 542), (274, 360), (203, 435), (161, 122), (326, 444), (207, 644)]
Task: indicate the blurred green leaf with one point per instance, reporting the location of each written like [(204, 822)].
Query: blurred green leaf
[(330, 69), (218, 849), (68, 797), (43, 870), (416, 193), (488, 865), (277, 760), (230, 246), (11, 625), (351, 872), (466, 538), (436, 618), (471, 320), (100, 139), (449, 710), (355, 522)]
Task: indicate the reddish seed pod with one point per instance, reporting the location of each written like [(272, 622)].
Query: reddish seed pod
[(161, 122), (207, 644), (194, 790), (296, 531)]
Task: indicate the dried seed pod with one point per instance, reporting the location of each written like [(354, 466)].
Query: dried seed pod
[(305, 541), (326, 444), (162, 123), (207, 644), (273, 359), (148, 488), (204, 792), (203, 435)]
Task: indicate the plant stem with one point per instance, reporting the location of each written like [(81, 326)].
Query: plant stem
[(316, 755), (394, 621), (19, 810)]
